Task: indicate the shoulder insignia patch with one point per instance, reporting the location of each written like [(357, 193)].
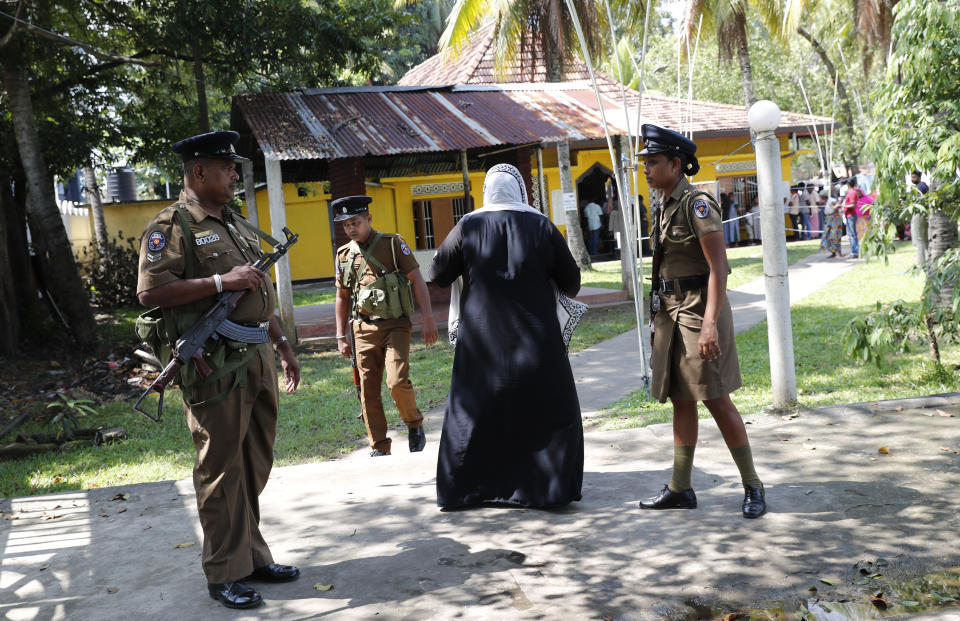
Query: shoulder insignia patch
[(156, 242), (404, 248), (701, 208)]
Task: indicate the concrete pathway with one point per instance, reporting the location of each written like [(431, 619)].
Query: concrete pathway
[(611, 370), (370, 530)]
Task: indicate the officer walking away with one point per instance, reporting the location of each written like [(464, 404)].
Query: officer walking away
[(377, 280), (189, 253), (694, 352)]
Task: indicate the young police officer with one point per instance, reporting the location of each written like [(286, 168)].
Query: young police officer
[(694, 352), (375, 272), (190, 252)]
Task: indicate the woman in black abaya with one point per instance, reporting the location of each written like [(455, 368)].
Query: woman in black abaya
[(512, 431)]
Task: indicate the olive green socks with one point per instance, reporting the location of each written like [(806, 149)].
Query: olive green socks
[(682, 467), (743, 457)]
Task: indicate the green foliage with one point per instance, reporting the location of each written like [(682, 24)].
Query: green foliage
[(111, 273), (917, 109), (65, 411), (891, 328)]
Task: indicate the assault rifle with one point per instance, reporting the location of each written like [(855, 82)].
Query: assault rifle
[(190, 345), (655, 265), (352, 338)]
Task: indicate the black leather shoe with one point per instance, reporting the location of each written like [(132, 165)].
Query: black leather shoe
[(754, 501), (275, 573), (669, 499), (234, 595), (418, 440), (377, 453)]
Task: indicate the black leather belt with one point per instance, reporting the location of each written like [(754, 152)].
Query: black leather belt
[(670, 285)]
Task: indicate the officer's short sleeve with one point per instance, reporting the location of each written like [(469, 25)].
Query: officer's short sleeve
[(705, 215), (406, 262), (341, 257), (161, 253)]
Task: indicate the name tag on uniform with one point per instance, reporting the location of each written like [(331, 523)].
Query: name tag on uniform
[(208, 239)]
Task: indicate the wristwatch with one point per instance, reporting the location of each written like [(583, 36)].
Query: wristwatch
[(280, 341)]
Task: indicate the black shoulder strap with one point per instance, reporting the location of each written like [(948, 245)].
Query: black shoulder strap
[(188, 259), (262, 235)]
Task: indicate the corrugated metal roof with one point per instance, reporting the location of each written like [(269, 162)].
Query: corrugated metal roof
[(374, 121)]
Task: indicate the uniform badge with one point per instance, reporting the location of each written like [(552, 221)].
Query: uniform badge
[(208, 239), (153, 258), (404, 248), (156, 242), (700, 208)]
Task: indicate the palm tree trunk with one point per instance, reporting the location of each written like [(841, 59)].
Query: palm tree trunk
[(572, 217), (941, 236), (49, 235), (743, 57), (92, 190)]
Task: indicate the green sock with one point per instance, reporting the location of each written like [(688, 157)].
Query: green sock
[(682, 467), (743, 457)]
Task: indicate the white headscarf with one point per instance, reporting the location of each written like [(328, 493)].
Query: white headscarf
[(503, 190)]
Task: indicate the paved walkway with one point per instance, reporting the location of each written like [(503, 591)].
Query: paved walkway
[(369, 529)]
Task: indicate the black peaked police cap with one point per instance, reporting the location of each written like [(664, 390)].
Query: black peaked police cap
[(213, 144), (347, 207), (658, 139)]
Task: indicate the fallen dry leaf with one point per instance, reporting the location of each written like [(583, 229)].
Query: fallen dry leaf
[(112, 590), (826, 581), (783, 438), (8, 517), (323, 587), (185, 545), (121, 509), (884, 450), (52, 517), (809, 447), (898, 409), (120, 496), (104, 513), (942, 413), (879, 602)]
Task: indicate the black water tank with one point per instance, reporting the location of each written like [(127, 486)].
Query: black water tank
[(121, 185)]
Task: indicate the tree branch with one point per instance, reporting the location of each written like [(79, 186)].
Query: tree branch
[(63, 40), (7, 38), (841, 88)]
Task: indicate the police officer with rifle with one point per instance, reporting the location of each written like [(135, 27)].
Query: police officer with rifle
[(191, 253)]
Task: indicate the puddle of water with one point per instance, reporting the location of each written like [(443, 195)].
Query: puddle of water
[(870, 596)]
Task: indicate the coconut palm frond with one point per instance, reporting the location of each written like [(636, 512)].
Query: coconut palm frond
[(465, 17)]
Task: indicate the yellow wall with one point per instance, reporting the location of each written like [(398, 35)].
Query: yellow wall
[(392, 206)]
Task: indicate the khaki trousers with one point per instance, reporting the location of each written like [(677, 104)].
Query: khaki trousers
[(234, 442), (385, 345)]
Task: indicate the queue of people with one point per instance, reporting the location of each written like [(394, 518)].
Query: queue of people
[(512, 432)]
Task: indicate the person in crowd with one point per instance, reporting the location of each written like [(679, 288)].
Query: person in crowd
[(593, 213), (794, 213), (918, 222), (862, 210), (694, 352), (814, 214), (832, 227), (191, 252), (731, 225), (512, 432), (850, 200), (755, 211), (376, 313)]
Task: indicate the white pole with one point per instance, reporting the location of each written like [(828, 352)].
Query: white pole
[(764, 116), (250, 193), (278, 220)]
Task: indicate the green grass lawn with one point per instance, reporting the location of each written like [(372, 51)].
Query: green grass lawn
[(315, 296), (317, 422), (746, 264), (825, 376)]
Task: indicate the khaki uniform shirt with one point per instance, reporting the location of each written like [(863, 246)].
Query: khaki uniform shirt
[(678, 370), (406, 262), (219, 245)]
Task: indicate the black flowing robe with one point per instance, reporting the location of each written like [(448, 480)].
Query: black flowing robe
[(512, 432)]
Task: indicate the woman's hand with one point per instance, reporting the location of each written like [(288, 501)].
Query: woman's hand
[(708, 344)]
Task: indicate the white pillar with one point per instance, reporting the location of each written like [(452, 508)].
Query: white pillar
[(764, 116), (542, 182), (250, 193), (278, 220)]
